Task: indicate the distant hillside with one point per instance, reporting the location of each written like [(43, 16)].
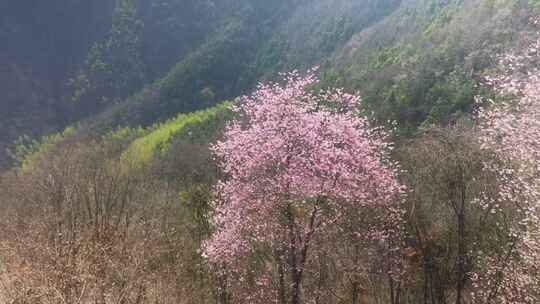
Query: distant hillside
[(140, 62), (42, 43), (206, 51), (421, 65)]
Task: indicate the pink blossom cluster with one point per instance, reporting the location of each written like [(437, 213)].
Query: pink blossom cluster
[(296, 153), (511, 129)]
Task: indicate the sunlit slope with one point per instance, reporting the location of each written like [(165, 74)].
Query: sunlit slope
[(421, 64), (142, 146), (200, 126), (246, 49)]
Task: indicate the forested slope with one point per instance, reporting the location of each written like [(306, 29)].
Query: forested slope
[(38, 53), (191, 53)]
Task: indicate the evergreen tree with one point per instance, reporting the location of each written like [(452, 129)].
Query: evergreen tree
[(114, 68)]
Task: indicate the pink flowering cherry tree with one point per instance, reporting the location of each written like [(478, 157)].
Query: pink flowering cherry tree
[(298, 165), (512, 131)]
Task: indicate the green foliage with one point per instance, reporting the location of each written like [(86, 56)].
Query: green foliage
[(197, 201), (197, 126), (24, 146), (223, 57), (390, 56), (114, 67), (173, 28), (419, 66), (207, 96), (442, 18), (218, 69), (535, 4), (453, 96), (27, 151), (315, 31)]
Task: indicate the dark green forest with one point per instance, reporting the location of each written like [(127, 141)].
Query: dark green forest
[(110, 111)]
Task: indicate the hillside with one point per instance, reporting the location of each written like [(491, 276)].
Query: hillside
[(189, 60), (177, 151), (186, 63)]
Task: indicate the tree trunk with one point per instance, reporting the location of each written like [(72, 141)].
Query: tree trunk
[(462, 250), (427, 277), (298, 256), (222, 295), (281, 274), (395, 290), (461, 262), (355, 293)]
